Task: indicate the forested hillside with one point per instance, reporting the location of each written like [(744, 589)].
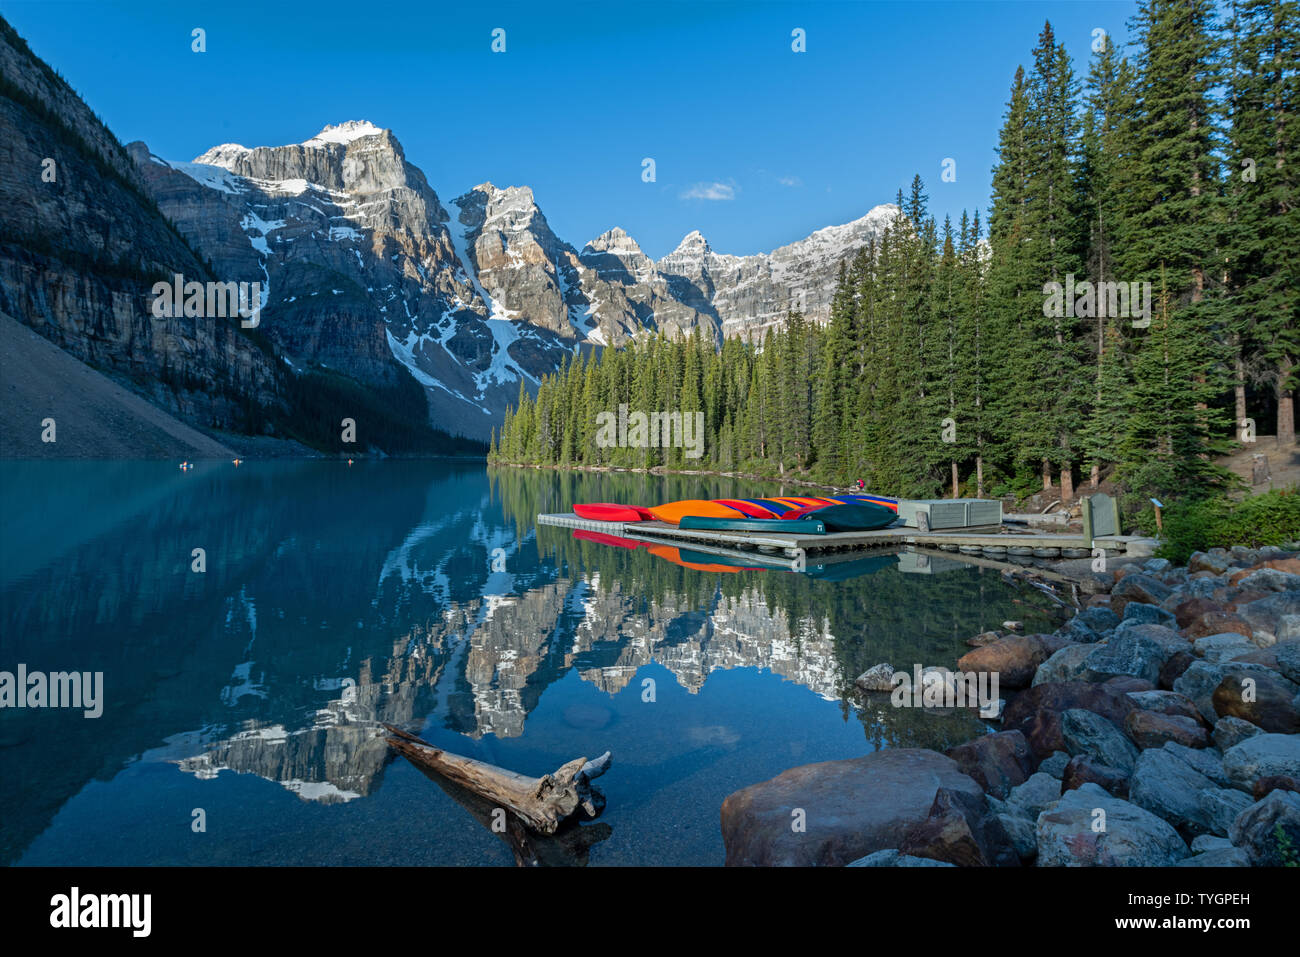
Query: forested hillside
[(1132, 310)]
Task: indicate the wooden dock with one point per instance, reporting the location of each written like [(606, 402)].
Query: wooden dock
[(772, 547)]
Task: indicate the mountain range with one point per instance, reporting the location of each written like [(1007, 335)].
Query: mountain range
[(366, 275)]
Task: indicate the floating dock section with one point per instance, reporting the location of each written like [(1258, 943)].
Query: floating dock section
[(795, 551)]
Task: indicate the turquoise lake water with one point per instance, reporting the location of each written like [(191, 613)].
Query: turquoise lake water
[(422, 594)]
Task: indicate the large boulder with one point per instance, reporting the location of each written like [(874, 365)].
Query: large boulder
[(1206, 762), (1216, 623), (961, 830), (1219, 857), (1098, 618), (1144, 614), (1267, 701), (1036, 712), (1014, 659), (1216, 561), (1221, 806), (1269, 830), (876, 678), (1272, 619), (1139, 588), (1036, 795), (1166, 702), (1230, 732), (1091, 734), (1150, 730), (1202, 678), (1291, 565), (1174, 668), (1264, 755), (1270, 579), (1167, 787), (1055, 765), (1223, 646), (1136, 650), (997, 762), (1188, 610), (891, 858), (1089, 828), (1083, 769), (1287, 656), (849, 808), (1068, 664)]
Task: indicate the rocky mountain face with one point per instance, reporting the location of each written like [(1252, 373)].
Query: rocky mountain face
[(81, 243), (359, 271), (367, 269)]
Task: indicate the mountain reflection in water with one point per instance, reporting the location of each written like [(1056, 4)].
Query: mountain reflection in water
[(422, 595)]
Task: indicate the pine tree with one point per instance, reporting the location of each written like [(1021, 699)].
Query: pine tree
[(1263, 191)]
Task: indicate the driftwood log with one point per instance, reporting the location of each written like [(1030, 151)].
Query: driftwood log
[(541, 804), (570, 846)]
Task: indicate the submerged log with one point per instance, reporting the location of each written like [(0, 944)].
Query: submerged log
[(570, 846), (542, 804)]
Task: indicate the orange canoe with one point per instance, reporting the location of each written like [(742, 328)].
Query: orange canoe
[(672, 512)]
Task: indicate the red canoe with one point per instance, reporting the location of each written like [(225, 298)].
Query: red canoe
[(609, 512)]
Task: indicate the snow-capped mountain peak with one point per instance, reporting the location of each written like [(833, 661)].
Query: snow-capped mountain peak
[(344, 133)]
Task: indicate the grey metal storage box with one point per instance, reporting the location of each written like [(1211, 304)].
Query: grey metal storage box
[(946, 513)]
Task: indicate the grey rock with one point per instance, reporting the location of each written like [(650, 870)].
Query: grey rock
[(1131, 836), (1022, 833), (1220, 807), (1219, 857), (1209, 842), (1157, 566), (1269, 830), (1040, 792), (853, 808), (1200, 680), (1270, 618), (892, 858), (1204, 761), (1165, 702), (1229, 732), (1143, 588), (1270, 579), (1261, 756), (1169, 788), (877, 678), (1098, 618), (1068, 664), (1222, 646), (1091, 734), (1288, 658), (1215, 560), (1135, 650), (1054, 764), (1147, 614)]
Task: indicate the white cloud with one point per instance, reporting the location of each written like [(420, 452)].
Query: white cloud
[(790, 181), (710, 191)]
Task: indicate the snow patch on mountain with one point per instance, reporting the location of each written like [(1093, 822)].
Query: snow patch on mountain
[(344, 133)]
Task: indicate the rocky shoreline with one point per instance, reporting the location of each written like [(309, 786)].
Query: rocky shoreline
[(1160, 726)]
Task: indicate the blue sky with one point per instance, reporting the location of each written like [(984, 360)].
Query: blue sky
[(585, 92)]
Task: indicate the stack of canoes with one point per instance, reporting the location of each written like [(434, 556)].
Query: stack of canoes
[(814, 515)]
